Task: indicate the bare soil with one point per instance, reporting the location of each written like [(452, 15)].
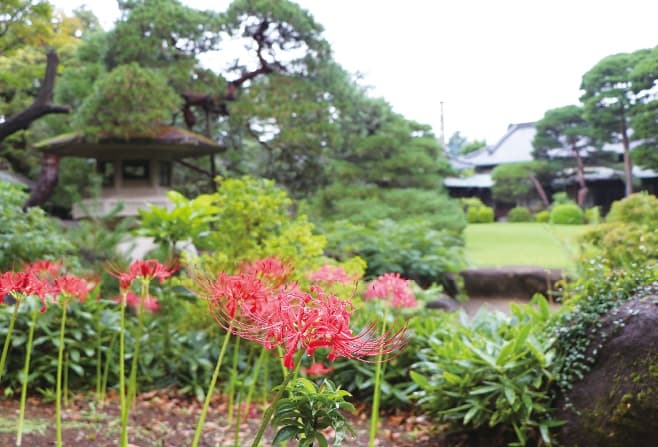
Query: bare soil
[(165, 418)]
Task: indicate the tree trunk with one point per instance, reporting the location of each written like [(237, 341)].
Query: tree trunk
[(582, 192), (628, 167), (45, 184), (540, 190), (42, 104)]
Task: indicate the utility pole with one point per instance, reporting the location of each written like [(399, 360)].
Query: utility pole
[(443, 131)]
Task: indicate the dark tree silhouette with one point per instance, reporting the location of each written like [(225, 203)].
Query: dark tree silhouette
[(41, 106)]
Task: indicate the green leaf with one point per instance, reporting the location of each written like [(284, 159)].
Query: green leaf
[(420, 379), (510, 395), (470, 414), (74, 355), (322, 441), (545, 434), (79, 370), (285, 434)]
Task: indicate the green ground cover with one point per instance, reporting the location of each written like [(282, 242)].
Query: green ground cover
[(501, 244)]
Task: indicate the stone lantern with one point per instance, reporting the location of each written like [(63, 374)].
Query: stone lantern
[(135, 172)]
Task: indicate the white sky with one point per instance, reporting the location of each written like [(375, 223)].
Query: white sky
[(492, 63)]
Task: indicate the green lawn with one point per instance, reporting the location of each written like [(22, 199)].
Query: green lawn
[(501, 244)]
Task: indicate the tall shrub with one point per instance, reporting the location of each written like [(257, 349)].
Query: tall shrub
[(27, 235)]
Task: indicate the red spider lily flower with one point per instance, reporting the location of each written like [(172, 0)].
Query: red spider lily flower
[(21, 284), (331, 273), (394, 288), (317, 369), (234, 299), (12, 283), (151, 303), (44, 268), (145, 270), (73, 287), (317, 320), (270, 270), (135, 301)]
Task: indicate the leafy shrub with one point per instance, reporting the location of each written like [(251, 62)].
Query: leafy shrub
[(562, 198), (307, 409), (567, 214), (471, 202), (480, 214), (593, 215), (169, 356), (365, 204), (639, 208), (543, 216), (92, 327), (411, 248), (27, 235), (473, 215), (623, 245), (492, 372), (486, 214), (519, 214), (246, 218), (396, 384)]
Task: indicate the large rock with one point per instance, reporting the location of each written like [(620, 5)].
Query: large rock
[(616, 402), (510, 282)]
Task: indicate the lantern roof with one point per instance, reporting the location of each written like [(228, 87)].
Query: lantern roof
[(165, 142)]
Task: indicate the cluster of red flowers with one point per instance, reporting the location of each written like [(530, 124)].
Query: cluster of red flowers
[(390, 286), (278, 314), (140, 270), (331, 273), (44, 279)]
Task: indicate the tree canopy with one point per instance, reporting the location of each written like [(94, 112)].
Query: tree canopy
[(608, 100), (565, 128), (258, 77), (644, 116)]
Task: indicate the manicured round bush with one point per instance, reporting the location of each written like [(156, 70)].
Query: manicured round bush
[(567, 214), (562, 198), (543, 216), (639, 208), (480, 214), (473, 215), (486, 214), (519, 214)]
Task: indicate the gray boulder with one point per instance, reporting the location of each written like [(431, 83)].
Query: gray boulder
[(510, 282), (616, 402), (443, 302)]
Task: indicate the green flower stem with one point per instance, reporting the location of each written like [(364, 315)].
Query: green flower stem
[(267, 416), (231, 384), (376, 397), (132, 381), (58, 389), (250, 394), (211, 388), (122, 372), (65, 390), (254, 379), (106, 370), (26, 375), (99, 363), (10, 330), (236, 432), (266, 381)]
